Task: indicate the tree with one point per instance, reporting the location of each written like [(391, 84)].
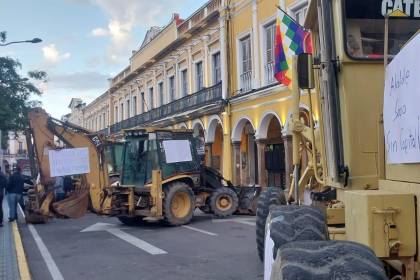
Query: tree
[(16, 92)]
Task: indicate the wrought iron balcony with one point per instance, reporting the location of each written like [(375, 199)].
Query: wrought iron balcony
[(194, 101), (246, 81), (269, 73)]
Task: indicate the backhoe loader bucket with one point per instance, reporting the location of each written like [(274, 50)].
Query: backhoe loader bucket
[(74, 206), (248, 197)]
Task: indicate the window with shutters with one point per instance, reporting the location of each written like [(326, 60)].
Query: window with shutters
[(171, 88), (216, 71), (199, 76), (160, 92), (245, 64), (269, 52), (184, 82)]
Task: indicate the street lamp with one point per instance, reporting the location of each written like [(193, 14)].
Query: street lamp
[(34, 41)]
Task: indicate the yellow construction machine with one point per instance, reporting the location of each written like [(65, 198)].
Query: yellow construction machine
[(145, 174), (351, 211)]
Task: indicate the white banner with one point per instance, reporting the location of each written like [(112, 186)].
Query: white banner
[(402, 105), (69, 161), (177, 151)]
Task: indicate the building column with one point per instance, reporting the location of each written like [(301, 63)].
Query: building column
[(209, 153), (152, 104), (223, 56), (165, 97), (206, 69), (177, 80), (262, 172), (255, 42), (288, 158), (190, 70), (236, 163)]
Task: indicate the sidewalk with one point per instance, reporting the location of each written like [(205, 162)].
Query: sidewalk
[(13, 263)]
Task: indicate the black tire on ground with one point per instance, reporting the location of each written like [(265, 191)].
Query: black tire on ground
[(268, 198), (327, 260), (223, 202), (296, 223), (178, 204), (132, 221)]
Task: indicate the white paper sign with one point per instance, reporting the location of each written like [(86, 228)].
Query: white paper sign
[(177, 151), (69, 161), (268, 254), (402, 105)]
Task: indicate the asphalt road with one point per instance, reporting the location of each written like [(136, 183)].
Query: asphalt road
[(96, 247)]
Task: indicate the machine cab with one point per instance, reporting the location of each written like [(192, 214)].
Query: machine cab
[(173, 152)]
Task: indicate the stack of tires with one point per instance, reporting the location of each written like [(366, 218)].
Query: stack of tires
[(302, 249)]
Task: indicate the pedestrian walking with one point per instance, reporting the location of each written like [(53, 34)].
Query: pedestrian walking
[(3, 185), (14, 192), (60, 194)]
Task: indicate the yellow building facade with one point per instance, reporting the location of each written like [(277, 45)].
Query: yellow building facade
[(259, 105), (213, 73)]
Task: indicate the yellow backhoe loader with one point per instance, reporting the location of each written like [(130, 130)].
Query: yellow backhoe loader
[(146, 174), (351, 211)]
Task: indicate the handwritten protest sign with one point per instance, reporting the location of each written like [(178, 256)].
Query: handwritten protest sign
[(177, 151), (402, 105), (69, 161)]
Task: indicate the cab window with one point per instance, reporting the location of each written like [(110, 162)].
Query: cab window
[(364, 26)]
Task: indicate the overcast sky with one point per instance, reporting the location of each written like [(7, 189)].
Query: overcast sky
[(85, 42)]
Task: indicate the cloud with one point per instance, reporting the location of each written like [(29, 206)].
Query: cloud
[(52, 54), (82, 81), (124, 19), (99, 32)]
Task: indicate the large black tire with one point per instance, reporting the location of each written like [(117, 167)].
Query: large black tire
[(132, 221), (327, 260), (178, 204), (296, 223), (223, 202), (268, 198)]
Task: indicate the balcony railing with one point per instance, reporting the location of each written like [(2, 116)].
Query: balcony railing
[(269, 73), (201, 98), (246, 81)]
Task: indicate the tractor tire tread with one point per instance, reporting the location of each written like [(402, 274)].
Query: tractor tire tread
[(327, 260), (269, 197)]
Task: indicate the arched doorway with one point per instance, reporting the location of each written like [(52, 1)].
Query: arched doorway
[(245, 164), (271, 152), (214, 143), (198, 133)]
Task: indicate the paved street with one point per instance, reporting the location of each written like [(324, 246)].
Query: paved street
[(101, 248)]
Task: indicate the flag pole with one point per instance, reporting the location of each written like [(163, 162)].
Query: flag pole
[(278, 7)]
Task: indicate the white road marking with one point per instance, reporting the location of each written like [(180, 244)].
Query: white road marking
[(200, 230), (137, 242), (245, 221), (49, 261)]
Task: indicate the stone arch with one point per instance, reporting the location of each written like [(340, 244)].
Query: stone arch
[(198, 125), (238, 128), (262, 130), (211, 128), (182, 125)]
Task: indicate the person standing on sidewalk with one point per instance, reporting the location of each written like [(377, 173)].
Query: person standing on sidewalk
[(3, 185), (60, 194), (14, 192)]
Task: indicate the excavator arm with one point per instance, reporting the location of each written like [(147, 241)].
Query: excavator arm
[(43, 129)]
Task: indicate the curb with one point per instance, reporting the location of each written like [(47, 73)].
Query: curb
[(20, 254)]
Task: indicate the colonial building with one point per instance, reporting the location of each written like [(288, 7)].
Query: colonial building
[(96, 114), (76, 116), (175, 79), (259, 105), (214, 73)]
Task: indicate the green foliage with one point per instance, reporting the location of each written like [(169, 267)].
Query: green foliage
[(15, 93)]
